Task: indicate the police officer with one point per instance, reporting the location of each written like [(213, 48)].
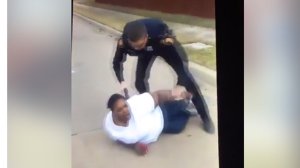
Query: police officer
[(147, 39)]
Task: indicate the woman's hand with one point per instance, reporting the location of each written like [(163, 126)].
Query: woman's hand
[(141, 148)]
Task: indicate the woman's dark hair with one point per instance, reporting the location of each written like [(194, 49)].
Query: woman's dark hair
[(135, 30), (113, 99)]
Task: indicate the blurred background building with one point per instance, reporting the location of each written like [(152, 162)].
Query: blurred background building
[(201, 8)]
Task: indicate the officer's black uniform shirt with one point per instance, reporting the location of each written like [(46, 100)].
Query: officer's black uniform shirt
[(156, 29)]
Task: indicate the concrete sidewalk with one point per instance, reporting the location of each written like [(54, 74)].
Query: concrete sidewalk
[(93, 81)]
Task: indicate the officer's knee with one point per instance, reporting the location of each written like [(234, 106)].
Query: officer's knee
[(138, 84), (184, 80)]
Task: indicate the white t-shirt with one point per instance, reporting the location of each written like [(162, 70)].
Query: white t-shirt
[(145, 124)]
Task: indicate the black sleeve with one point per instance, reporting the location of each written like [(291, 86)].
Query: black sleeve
[(166, 31), (120, 57)]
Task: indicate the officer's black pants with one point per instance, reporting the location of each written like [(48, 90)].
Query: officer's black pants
[(176, 57)]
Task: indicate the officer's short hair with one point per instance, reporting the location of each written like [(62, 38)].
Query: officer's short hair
[(135, 30)]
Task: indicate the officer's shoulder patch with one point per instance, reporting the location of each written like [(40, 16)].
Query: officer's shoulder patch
[(120, 43)]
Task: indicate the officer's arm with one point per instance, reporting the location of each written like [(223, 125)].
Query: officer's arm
[(167, 36), (120, 57), (167, 32)]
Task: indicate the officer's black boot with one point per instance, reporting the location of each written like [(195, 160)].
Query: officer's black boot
[(208, 126), (202, 109)]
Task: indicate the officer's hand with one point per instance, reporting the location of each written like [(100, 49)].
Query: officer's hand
[(187, 95), (123, 85), (120, 43), (167, 41), (179, 92)]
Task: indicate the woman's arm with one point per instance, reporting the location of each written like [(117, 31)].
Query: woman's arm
[(140, 148)]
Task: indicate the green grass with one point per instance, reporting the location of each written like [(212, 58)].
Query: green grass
[(116, 23), (179, 18), (205, 57)]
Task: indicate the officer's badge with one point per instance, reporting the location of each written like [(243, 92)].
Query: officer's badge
[(149, 48)]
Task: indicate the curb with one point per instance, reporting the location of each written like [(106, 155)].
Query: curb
[(107, 28), (208, 74)]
